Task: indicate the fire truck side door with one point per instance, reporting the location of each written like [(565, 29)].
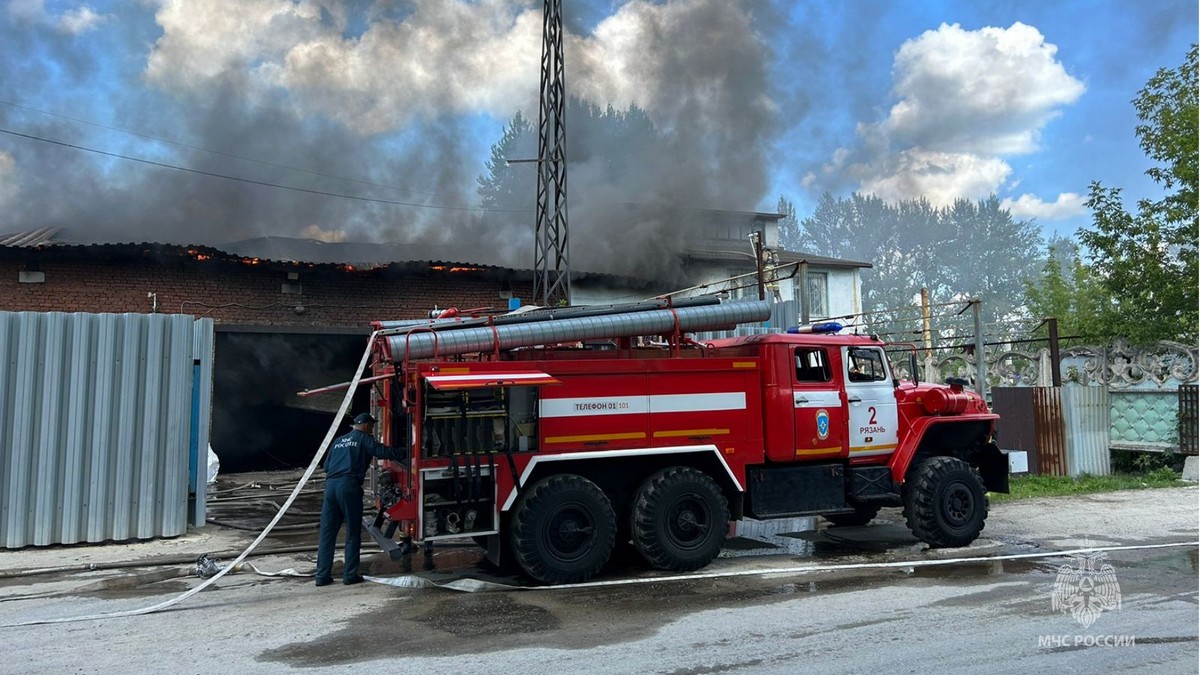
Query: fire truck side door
[(872, 403), (819, 415)]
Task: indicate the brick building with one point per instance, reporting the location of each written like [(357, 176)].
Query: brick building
[(281, 325), (243, 291)]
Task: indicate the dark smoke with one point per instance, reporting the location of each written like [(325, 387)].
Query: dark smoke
[(707, 71)]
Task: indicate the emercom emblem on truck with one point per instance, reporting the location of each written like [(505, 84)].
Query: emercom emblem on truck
[(822, 424)]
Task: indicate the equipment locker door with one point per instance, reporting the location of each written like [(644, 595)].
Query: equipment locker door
[(871, 396), (819, 416)]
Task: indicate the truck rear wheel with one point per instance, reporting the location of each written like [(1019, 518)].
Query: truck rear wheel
[(563, 530), (945, 503), (863, 514), (680, 519)]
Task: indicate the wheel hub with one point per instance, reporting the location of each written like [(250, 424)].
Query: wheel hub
[(958, 504), (688, 523), (569, 534)]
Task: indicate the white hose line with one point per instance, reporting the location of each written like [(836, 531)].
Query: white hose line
[(316, 461), (477, 586), (864, 566)]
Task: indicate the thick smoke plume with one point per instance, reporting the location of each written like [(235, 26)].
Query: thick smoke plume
[(346, 97)]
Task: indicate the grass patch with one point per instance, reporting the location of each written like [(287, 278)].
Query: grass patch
[(1025, 487)]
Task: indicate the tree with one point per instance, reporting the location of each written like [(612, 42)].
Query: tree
[(969, 249), (790, 236), (1068, 291), (1147, 260), (501, 187), (995, 255)]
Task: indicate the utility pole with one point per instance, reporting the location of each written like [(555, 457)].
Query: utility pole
[(552, 266), (926, 331), (756, 240), (805, 309), (1055, 357), (980, 359)]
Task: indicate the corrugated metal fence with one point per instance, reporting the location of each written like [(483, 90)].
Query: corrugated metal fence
[(1051, 431), (1031, 419), (1085, 410), (1189, 411), (1014, 431), (102, 425)]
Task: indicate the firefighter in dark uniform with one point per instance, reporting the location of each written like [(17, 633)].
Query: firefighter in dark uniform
[(345, 468)]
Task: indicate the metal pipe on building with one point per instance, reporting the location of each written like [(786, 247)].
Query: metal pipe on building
[(547, 314), (553, 330)]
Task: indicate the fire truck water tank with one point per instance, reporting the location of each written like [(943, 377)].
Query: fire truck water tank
[(945, 402)]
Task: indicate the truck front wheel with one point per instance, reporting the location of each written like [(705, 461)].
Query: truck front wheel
[(945, 503), (563, 530), (680, 519)]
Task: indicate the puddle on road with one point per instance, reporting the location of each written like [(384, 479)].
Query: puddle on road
[(423, 623), (769, 537), (443, 624)]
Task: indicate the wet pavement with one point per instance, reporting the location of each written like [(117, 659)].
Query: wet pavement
[(445, 625), (976, 616)]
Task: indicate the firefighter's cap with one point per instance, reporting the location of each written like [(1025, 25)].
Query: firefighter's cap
[(364, 418)]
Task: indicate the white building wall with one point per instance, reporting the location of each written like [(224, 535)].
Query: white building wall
[(842, 288)]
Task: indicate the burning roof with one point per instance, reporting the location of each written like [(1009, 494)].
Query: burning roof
[(275, 251)]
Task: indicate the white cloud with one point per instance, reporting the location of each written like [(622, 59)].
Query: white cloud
[(450, 56), (940, 177), (988, 91), (80, 20), (1068, 205), (967, 100), (73, 21)]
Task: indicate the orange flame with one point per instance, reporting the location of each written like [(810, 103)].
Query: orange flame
[(198, 255), (443, 268)]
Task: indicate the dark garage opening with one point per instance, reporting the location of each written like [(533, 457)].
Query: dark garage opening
[(258, 421)]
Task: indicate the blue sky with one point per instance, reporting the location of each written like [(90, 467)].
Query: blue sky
[(1028, 100)]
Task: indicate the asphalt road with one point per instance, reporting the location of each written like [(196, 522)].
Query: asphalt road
[(976, 617)]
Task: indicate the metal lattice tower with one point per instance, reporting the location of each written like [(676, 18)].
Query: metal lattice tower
[(552, 266)]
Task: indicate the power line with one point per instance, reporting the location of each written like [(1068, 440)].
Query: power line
[(257, 182), (906, 308), (215, 152)]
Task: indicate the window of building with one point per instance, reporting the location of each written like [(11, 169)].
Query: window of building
[(865, 365), (818, 295), (812, 365)]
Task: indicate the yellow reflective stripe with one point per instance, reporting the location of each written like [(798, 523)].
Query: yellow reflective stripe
[(633, 435), (817, 451), (691, 432), (873, 448), (745, 364)]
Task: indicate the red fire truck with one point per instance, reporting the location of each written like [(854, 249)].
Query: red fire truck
[(554, 436)]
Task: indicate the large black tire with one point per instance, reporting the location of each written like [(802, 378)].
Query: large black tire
[(945, 503), (563, 530), (863, 514), (680, 519)]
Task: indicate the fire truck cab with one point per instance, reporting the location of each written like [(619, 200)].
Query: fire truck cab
[(552, 456)]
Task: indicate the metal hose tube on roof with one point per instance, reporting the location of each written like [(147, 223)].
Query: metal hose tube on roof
[(653, 322), (547, 313)]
